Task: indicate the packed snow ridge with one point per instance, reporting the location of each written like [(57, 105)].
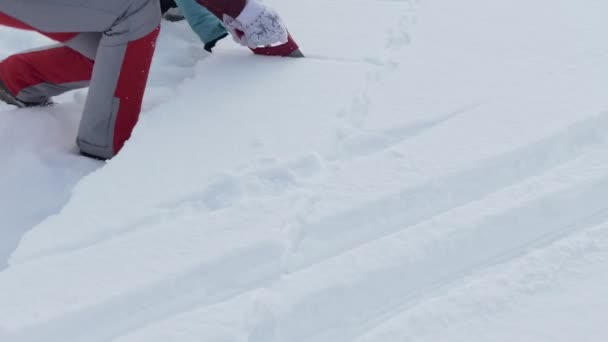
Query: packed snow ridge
[(432, 171)]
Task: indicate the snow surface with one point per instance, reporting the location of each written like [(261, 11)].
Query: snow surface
[(433, 171)]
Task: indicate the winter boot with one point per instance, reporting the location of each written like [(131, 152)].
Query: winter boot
[(7, 97)]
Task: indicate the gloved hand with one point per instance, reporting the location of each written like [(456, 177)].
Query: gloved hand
[(166, 5), (257, 26), (174, 15), (170, 10), (210, 45)]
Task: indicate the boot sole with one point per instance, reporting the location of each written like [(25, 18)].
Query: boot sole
[(6, 97)]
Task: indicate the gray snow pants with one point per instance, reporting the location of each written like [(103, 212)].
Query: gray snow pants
[(104, 44)]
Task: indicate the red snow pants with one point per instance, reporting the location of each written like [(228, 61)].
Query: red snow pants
[(106, 45)]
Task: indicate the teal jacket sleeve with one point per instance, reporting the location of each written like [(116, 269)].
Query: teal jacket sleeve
[(206, 25)]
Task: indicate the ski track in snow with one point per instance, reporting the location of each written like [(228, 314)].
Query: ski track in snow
[(367, 225)]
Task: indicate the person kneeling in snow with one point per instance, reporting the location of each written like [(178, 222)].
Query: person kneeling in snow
[(108, 46)]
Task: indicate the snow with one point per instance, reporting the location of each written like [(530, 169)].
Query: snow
[(433, 171)]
